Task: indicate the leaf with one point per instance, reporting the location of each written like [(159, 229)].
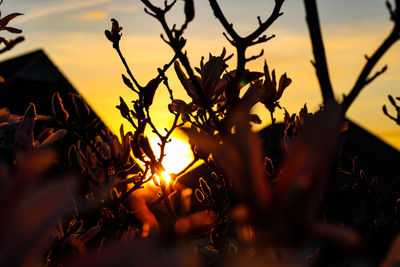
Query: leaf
[(12, 30), (255, 119), (211, 73), (134, 142), (4, 21), (72, 156), (180, 107), (284, 82), (204, 187), (53, 137), (391, 99), (385, 110), (58, 108), (253, 95), (248, 77), (45, 134), (185, 82), (30, 111), (108, 35), (81, 108), (145, 146), (127, 82), (10, 44), (150, 90)]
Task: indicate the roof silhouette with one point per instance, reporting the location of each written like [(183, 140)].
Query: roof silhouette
[(32, 77)]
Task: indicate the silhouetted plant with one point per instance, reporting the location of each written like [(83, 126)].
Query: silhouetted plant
[(395, 118), (246, 207), (9, 44)]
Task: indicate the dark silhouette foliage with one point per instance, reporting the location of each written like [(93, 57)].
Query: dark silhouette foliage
[(293, 197)]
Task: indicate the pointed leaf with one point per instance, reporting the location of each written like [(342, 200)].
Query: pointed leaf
[(58, 108), (12, 30), (391, 99), (127, 82), (150, 90), (4, 21)]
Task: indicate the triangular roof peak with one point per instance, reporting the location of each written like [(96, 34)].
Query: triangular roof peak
[(10, 67)]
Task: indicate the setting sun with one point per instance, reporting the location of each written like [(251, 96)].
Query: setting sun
[(178, 155), (166, 177)]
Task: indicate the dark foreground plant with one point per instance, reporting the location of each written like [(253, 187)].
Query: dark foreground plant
[(246, 206)]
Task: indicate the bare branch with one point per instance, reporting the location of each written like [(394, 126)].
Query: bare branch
[(242, 43), (177, 42), (321, 65), (265, 25), (165, 40), (220, 16), (256, 56), (149, 13), (376, 75), (229, 40), (167, 6), (128, 70), (262, 39), (397, 108), (363, 79)]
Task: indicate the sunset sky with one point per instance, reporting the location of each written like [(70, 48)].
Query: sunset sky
[(72, 33)]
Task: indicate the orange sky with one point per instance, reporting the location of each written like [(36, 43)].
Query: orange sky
[(71, 32)]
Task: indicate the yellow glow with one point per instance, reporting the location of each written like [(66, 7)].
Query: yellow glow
[(94, 15), (178, 155), (166, 177)]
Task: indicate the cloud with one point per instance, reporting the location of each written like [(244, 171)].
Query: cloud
[(94, 15), (122, 9), (55, 9)]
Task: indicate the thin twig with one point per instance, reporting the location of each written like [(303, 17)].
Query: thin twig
[(242, 43), (177, 42), (164, 140), (363, 79), (128, 70)]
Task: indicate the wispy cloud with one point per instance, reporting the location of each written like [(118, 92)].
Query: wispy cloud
[(122, 8), (55, 9), (94, 15)]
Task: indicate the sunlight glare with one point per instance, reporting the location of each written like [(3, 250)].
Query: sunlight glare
[(166, 177), (178, 155)]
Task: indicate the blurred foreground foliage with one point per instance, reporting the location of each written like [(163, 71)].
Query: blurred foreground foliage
[(99, 199)]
